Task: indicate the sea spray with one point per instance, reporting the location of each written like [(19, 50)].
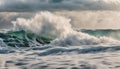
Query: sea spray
[(34, 47), (44, 23), (59, 29)]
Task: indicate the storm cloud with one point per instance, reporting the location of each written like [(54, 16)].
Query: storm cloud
[(38, 5)]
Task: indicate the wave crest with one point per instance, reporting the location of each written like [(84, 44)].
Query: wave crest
[(48, 28)]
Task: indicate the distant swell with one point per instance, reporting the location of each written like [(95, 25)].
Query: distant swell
[(105, 32)]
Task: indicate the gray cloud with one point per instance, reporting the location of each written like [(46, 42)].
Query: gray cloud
[(37, 5)]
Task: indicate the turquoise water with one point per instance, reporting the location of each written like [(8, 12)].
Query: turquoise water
[(105, 32)]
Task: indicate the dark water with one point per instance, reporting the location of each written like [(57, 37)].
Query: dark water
[(22, 38)]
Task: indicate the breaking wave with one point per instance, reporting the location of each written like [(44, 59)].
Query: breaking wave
[(47, 28), (49, 36)]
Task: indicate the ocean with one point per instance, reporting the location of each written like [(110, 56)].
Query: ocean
[(47, 41)]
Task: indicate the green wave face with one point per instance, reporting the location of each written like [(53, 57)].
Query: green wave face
[(23, 39), (108, 33)]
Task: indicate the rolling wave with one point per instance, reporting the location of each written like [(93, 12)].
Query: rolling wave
[(22, 38), (47, 28)]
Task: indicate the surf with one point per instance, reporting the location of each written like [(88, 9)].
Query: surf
[(48, 28)]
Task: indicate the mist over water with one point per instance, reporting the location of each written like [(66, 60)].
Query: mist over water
[(93, 19), (79, 19)]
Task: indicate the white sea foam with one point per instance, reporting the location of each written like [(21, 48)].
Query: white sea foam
[(44, 23), (58, 27)]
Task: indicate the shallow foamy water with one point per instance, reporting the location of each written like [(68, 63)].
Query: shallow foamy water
[(56, 57)]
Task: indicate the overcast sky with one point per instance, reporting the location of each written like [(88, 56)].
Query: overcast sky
[(37, 5), (100, 11)]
